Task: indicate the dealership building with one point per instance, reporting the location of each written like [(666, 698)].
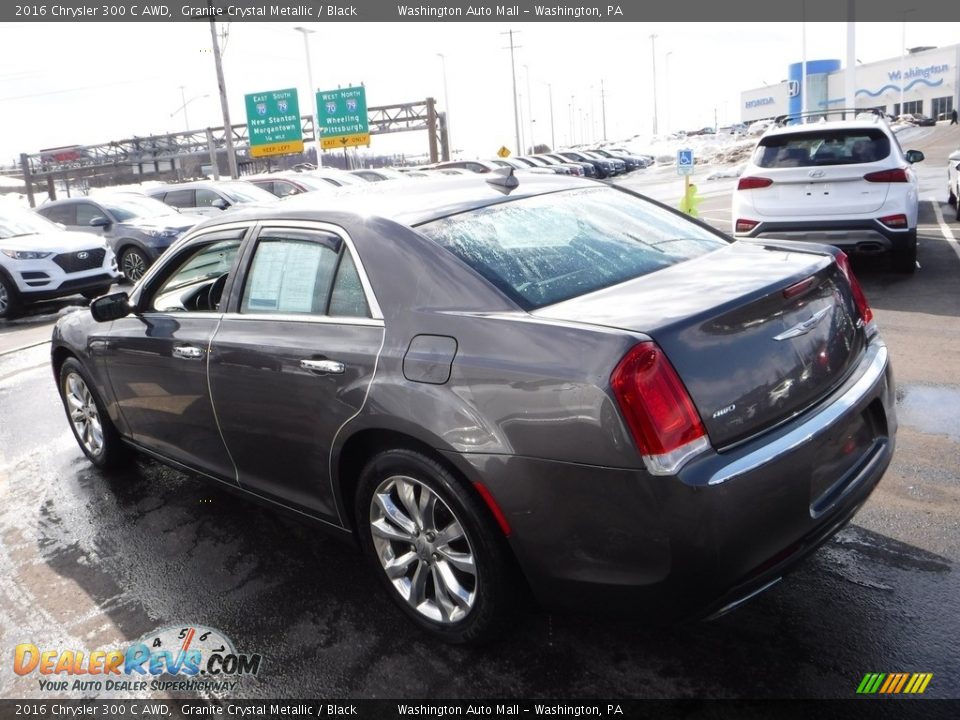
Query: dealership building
[(929, 78)]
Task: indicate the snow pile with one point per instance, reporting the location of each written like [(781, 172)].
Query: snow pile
[(719, 149), (9, 182)]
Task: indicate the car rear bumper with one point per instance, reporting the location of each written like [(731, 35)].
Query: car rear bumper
[(730, 524), (863, 235)]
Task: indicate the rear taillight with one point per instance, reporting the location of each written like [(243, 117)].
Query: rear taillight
[(894, 221), (744, 225), (863, 307), (887, 176), (658, 410), (752, 183)]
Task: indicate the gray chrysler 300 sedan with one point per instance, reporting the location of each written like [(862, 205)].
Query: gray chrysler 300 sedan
[(498, 385)]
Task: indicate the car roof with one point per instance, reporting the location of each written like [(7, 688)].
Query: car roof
[(816, 127), (412, 203)]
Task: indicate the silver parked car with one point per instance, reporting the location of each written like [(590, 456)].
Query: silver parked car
[(208, 197)]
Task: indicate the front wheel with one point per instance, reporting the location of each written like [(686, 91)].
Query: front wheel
[(133, 264), (9, 299), (92, 427), (435, 548)]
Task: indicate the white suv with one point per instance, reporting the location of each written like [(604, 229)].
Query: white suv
[(846, 183), (40, 260), (953, 181)]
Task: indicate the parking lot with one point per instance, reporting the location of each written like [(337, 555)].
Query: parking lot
[(95, 560)]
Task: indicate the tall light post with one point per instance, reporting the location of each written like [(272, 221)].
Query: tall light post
[(666, 98), (553, 138), (224, 106), (513, 74), (529, 108), (446, 98), (313, 92), (653, 52), (183, 107)]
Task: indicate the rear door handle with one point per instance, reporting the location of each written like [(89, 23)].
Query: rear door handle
[(187, 352), (325, 366)]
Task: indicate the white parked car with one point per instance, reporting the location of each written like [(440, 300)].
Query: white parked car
[(953, 181), (846, 183), (40, 260)]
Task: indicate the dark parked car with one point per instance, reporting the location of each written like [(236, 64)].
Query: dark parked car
[(137, 228), (560, 169), (605, 168), (628, 410), (633, 162), (589, 168)]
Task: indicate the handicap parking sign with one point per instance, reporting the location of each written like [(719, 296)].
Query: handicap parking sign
[(685, 162)]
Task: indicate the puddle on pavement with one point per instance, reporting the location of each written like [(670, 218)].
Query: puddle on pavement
[(930, 409)]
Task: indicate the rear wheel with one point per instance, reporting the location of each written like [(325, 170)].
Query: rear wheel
[(437, 552), (9, 299), (957, 216), (951, 197), (92, 427), (133, 264), (905, 259)]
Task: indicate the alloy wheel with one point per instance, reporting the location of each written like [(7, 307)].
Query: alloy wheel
[(84, 416), (424, 549), (134, 266)]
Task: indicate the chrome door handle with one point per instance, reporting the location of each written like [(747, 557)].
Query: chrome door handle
[(324, 366), (186, 352)]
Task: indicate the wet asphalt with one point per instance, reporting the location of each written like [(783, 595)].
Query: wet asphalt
[(94, 561)]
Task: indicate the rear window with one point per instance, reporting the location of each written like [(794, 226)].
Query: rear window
[(828, 147), (542, 250)]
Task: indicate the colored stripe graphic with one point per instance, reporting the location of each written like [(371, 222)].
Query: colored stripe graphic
[(894, 683)]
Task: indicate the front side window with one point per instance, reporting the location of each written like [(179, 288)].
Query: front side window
[(180, 198), (206, 198), (826, 147), (87, 212), (549, 248), (197, 283)]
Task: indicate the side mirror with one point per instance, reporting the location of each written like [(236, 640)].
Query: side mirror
[(99, 221), (914, 156), (220, 204), (110, 307)]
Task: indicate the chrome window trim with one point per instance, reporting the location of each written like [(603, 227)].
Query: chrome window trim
[(277, 224), (304, 318)]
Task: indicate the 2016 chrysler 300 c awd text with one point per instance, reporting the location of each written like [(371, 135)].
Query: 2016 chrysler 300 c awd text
[(501, 384)]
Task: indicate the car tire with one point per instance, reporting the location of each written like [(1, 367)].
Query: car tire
[(96, 292), (10, 303), (92, 427), (905, 258), (133, 263), (957, 215), (404, 506), (951, 197)]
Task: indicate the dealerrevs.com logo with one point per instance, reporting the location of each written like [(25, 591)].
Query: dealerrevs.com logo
[(190, 658)]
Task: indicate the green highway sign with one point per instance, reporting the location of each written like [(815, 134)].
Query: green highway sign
[(342, 118), (273, 123)]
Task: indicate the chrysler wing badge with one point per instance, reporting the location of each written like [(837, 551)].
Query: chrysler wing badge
[(804, 327)]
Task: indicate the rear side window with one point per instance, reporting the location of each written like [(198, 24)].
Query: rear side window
[(180, 198), (549, 248), (65, 214), (828, 147)]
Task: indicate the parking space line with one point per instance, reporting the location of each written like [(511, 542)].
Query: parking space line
[(945, 229)]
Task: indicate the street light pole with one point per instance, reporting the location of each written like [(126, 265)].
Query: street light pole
[(529, 109), (446, 98), (224, 107), (653, 52), (603, 109), (666, 98), (553, 138), (513, 73), (183, 107), (313, 92)]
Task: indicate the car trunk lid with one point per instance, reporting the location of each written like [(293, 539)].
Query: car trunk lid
[(756, 332)]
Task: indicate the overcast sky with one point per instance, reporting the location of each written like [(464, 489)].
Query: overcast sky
[(85, 83)]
